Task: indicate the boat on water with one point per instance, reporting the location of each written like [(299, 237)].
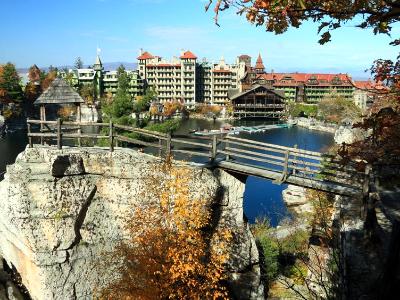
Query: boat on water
[(236, 130), (206, 132)]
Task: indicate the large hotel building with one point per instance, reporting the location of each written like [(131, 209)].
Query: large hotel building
[(188, 80), (192, 81)]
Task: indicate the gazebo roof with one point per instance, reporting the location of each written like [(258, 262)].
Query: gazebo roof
[(59, 92)]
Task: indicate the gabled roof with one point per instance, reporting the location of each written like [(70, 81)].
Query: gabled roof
[(59, 92), (233, 96), (145, 55), (188, 55)]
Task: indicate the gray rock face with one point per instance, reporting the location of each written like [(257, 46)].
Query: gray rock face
[(349, 135), (296, 200), (61, 209)]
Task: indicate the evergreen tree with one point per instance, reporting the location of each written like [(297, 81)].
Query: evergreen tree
[(121, 107), (10, 88), (78, 63), (123, 80)]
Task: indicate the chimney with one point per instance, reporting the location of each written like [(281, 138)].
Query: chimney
[(140, 51)]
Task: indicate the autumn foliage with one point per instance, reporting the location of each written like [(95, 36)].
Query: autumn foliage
[(171, 107), (169, 253), (206, 109), (279, 16), (66, 112), (48, 80)]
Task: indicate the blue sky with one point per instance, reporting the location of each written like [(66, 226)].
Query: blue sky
[(56, 32)]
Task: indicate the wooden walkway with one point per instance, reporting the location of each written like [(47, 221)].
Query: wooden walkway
[(277, 163)]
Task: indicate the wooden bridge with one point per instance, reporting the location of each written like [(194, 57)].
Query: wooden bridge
[(241, 157)]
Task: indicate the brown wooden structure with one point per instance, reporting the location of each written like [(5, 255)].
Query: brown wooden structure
[(258, 101), (243, 157), (58, 93)]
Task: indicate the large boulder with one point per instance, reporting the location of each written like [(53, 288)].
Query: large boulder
[(61, 209), (347, 134)]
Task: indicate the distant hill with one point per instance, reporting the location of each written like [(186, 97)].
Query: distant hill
[(108, 66)]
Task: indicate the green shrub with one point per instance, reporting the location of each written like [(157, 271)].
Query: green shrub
[(270, 250), (302, 109), (269, 246), (165, 127), (295, 243)]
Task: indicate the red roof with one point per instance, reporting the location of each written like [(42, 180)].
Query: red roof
[(145, 55), (303, 77), (188, 55), (369, 85), (244, 56)]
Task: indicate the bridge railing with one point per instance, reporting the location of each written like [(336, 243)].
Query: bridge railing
[(287, 161)]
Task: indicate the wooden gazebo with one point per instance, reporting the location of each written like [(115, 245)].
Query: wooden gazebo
[(59, 93)]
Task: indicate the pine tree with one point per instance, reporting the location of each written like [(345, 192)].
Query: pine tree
[(78, 63), (10, 88)]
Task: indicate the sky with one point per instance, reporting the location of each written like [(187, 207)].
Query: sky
[(49, 32)]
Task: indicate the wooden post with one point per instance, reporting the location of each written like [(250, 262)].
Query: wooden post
[(42, 118), (168, 146), (285, 167), (214, 147), (29, 132), (111, 136), (295, 158), (78, 116), (227, 157), (160, 149), (59, 137)]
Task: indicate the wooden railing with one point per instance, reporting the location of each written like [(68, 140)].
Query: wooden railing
[(286, 161), (58, 132)]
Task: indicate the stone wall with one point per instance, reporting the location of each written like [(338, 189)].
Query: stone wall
[(61, 209)]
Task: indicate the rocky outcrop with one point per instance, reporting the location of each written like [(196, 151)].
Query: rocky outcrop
[(296, 200), (61, 209), (314, 124), (347, 134)]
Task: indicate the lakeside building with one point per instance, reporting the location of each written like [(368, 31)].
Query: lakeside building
[(191, 81), (258, 101), (104, 82), (308, 87), (188, 80), (367, 92)]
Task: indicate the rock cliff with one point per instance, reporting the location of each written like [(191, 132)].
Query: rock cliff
[(61, 209), (347, 134)]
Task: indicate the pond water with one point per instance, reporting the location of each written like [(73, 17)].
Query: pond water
[(262, 198)]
